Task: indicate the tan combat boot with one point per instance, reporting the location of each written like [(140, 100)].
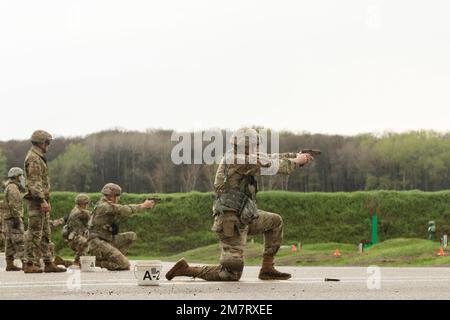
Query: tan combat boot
[(51, 267), (10, 265), (268, 272), (31, 268), (182, 268)]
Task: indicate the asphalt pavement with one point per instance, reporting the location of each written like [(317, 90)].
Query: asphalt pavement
[(306, 283)]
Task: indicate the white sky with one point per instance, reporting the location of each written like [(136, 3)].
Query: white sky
[(77, 67)]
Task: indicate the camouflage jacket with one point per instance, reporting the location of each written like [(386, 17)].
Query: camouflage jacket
[(241, 171), (107, 214), (78, 220), (36, 172), (13, 201)]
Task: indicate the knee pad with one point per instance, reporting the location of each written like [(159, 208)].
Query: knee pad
[(232, 264), (228, 275)]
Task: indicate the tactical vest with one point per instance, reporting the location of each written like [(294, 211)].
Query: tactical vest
[(241, 199), (102, 224)]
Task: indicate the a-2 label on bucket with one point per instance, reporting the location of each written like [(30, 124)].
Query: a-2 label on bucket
[(153, 275)]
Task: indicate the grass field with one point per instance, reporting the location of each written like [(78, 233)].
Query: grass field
[(396, 252)]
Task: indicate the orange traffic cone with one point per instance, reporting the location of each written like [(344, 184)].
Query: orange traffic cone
[(294, 248), (441, 252), (337, 253)]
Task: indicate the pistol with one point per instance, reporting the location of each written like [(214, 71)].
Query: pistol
[(313, 152)]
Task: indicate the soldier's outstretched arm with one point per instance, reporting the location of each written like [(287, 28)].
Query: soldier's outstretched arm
[(127, 210), (287, 165)]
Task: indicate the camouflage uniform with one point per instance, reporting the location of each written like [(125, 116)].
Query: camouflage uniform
[(13, 222), (232, 232), (38, 235), (3, 209), (77, 231), (110, 249), (236, 175)]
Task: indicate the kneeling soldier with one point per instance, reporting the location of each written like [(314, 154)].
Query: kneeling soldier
[(236, 214), (76, 229), (108, 246)]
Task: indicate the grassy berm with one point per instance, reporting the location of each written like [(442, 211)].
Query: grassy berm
[(183, 221)]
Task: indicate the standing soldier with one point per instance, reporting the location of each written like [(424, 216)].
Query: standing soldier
[(105, 243), (236, 215), (13, 218), (76, 229), (38, 235)]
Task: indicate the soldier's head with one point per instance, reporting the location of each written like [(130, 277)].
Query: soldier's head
[(41, 139), (245, 140), (112, 192), (16, 174), (82, 200)]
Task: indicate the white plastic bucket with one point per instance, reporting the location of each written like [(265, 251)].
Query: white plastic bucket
[(2, 261), (87, 263), (148, 273)]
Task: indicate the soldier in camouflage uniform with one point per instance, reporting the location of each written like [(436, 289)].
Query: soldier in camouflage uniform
[(38, 235), (76, 229), (104, 243), (236, 215), (13, 218)]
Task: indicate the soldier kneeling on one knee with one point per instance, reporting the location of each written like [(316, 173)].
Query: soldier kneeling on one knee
[(236, 213), (75, 231), (104, 242)]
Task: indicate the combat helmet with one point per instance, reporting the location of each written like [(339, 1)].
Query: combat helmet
[(41, 136), (111, 189), (15, 172), (82, 198)]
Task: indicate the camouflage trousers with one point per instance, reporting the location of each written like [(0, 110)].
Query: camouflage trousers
[(38, 235), (79, 244), (111, 255), (14, 242), (233, 237)]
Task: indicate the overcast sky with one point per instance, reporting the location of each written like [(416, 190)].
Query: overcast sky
[(77, 67)]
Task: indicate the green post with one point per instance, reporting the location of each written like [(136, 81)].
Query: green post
[(374, 229)]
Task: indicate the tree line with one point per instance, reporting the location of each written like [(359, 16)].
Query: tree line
[(141, 162)]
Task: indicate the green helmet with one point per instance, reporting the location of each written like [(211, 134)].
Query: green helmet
[(241, 135), (15, 172), (82, 199), (41, 136), (111, 189)]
